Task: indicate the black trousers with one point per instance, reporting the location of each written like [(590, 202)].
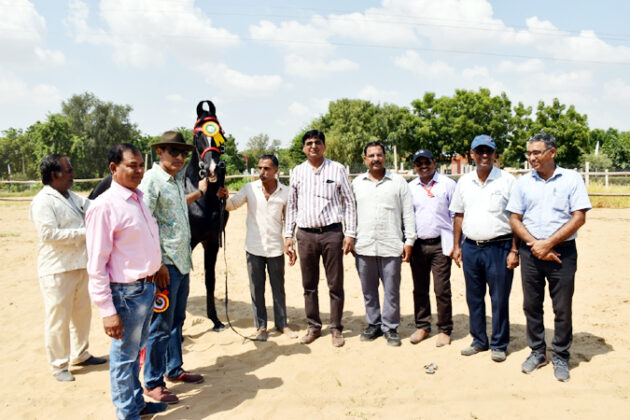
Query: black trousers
[(327, 245), (561, 278), (427, 258)]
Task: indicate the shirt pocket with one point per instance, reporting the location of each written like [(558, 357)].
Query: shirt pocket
[(560, 200), (498, 202), (327, 190)]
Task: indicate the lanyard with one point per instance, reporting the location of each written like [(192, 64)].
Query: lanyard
[(428, 190)]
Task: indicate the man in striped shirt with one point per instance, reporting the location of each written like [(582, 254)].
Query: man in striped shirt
[(320, 198)]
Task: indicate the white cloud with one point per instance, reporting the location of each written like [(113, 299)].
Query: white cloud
[(294, 37), (298, 109), (480, 77), (22, 32), (146, 32), (373, 94), (174, 97), (411, 61), (316, 68), (15, 91), (220, 75), (617, 91), (526, 66)]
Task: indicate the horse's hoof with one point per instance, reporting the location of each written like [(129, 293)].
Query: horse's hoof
[(219, 327)]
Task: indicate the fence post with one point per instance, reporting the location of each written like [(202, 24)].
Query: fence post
[(606, 178), (587, 177)]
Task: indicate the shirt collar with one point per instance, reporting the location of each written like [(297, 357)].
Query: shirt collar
[(558, 171), (434, 179), (494, 174), (124, 192), (366, 175), (161, 173)]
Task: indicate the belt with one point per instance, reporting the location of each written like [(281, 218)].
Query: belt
[(323, 228), (429, 241), (147, 279), (502, 238)]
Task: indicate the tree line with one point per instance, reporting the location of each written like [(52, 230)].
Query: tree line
[(86, 127)]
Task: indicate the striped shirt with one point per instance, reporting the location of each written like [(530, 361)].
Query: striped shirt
[(320, 197)]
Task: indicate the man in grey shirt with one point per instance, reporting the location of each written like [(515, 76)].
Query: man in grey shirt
[(385, 231)]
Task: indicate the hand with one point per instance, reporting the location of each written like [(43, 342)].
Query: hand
[(552, 256), (540, 248), (289, 250), (512, 260), (162, 279), (456, 255), (223, 192), (203, 185), (348, 245), (406, 256), (113, 326)]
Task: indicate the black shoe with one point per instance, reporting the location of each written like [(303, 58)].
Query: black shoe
[(392, 337), (372, 332), (92, 361), (153, 408)]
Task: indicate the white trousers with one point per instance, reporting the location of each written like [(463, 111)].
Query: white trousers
[(67, 323)]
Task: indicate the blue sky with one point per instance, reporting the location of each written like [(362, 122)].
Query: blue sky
[(272, 66)]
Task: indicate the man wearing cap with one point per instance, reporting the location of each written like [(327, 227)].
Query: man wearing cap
[(431, 194), (548, 206), (488, 253), (385, 231), (123, 257), (58, 215), (163, 188), (320, 198)]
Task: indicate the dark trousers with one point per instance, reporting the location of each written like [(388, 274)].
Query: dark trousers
[(561, 278), (427, 258), (310, 247), (256, 270), (387, 269), (487, 265)]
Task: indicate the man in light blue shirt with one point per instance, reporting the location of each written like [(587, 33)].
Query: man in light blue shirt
[(385, 231), (548, 206), (164, 195)]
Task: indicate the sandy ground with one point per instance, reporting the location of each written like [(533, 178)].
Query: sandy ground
[(284, 379)]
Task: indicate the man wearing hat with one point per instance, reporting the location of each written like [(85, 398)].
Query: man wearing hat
[(489, 251), (163, 189), (431, 193)]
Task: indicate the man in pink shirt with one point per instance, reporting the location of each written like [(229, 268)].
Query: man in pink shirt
[(123, 247)]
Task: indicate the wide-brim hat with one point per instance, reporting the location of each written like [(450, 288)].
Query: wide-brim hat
[(174, 139)]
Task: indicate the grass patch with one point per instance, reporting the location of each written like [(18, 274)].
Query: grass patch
[(609, 202)]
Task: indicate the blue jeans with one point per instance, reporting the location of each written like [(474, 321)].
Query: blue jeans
[(164, 346), (134, 305), (487, 265)]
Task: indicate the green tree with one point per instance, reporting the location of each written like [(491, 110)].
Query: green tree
[(569, 127), (259, 145), (618, 150), (449, 124), (235, 164), (99, 125), (520, 131)]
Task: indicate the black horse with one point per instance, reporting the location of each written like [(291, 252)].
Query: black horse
[(207, 215)]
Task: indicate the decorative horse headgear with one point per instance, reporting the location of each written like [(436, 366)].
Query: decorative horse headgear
[(209, 137)]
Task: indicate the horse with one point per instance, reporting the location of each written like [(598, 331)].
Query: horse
[(207, 215)]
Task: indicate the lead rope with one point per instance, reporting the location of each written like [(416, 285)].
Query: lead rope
[(223, 243)]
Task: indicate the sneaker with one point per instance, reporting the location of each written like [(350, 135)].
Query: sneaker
[(533, 362), (392, 337), (472, 350), (560, 369), (92, 360), (161, 394), (372, 332), (498, 355), (153, 408), (64, 376)]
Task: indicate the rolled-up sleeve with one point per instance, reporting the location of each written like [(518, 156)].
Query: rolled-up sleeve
[(291, 209)]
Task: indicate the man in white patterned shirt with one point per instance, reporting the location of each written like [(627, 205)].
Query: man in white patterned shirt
[(320, 198), (266, 200)]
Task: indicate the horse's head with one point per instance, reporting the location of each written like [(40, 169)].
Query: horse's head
[(209, 142)]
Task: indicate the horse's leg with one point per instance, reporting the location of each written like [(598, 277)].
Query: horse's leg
[(210, 250)]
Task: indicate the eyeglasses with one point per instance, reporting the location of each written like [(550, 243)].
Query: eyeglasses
[(535, 153), (422, 162), (374, 155), (483, 151), (177, 152)]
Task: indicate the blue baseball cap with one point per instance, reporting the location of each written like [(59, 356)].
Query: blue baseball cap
[(422, 153), (483, 140)]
